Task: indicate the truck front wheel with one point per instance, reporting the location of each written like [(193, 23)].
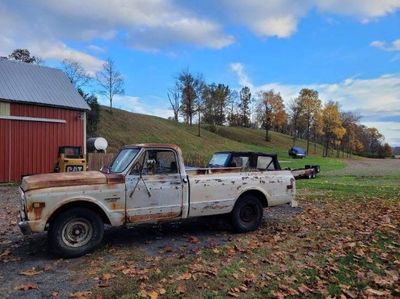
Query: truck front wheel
[(247, 214), (75, 232)]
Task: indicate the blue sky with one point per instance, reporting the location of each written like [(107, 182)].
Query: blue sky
[(348, 50)]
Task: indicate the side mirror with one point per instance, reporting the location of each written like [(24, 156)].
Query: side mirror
[(105, 169)]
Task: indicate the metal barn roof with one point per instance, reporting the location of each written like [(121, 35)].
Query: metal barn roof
[(29, 83)]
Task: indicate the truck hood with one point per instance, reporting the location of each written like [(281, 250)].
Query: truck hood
[(65, 179)]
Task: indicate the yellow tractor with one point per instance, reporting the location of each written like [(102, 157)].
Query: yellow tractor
[(70, 159)]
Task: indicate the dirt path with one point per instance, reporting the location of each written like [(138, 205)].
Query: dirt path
[(51, 277), (369, 167)]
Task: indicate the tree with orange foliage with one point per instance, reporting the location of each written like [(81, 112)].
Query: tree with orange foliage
[(271, 111), (332, 127), (387, 150)]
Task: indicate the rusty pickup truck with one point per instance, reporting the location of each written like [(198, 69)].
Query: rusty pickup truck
[(144, 183)]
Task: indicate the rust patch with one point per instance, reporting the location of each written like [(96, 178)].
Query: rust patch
[(117, 206), (153, 217), (48, 180), (215, 207), (37, 211), (114, 178)]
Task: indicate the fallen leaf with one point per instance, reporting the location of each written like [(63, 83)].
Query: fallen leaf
[(81, 295), (304, 289), (27, 286), (180, 289), (30, 272), (373, 292), (194, 240), (184, 276), (153, 295)]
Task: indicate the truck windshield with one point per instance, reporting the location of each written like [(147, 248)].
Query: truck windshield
[(218, 160), (123, 159)]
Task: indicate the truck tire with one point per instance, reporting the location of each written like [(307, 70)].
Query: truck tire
[(75, 232), (247, 214)]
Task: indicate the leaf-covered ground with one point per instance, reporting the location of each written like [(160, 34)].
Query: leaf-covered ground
[(343, 241)]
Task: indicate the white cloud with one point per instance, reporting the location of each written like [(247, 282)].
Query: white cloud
[(377, 100), (392, 46), (143, 24), (362, 9), (280, 18), (60, 51), (238, 69)]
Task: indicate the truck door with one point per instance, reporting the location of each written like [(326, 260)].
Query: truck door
[(154, 187)]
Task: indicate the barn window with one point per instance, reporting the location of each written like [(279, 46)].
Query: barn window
[(4, 108)]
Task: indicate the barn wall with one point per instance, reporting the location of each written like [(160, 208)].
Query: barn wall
[(31, 147)]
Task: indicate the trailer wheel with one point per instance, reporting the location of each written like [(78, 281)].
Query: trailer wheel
[(247, 214), (75, 232)]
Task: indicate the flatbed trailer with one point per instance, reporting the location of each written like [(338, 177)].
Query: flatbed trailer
[(308, 172)]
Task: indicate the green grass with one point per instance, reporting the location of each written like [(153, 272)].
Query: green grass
[(123, 127), (355, 186)]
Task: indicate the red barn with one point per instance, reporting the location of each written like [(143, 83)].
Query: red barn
[(40, 110)]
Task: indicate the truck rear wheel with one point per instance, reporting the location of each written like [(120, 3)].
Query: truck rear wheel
[(75, 232), (247, 214)]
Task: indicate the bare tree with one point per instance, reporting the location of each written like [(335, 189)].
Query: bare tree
[(76, 73), (190, 87), (174, 97), (110, 80)]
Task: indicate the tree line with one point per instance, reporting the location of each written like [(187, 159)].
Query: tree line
[(306, 116), (108, 80)]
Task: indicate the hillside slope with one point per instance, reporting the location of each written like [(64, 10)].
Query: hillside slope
[(279, 142), (122, 127)]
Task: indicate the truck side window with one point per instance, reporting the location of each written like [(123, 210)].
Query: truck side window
[(265, 163), (160, 162)]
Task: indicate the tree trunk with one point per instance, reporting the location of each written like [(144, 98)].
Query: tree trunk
[(198, 126), (326, 147), (308, 137)]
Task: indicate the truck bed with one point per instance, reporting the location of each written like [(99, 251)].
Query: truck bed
[(215, 190)]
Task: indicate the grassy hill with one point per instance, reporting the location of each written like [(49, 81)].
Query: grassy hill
[(122, 127)]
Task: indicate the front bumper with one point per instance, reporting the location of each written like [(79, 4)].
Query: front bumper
[(24, 227)]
